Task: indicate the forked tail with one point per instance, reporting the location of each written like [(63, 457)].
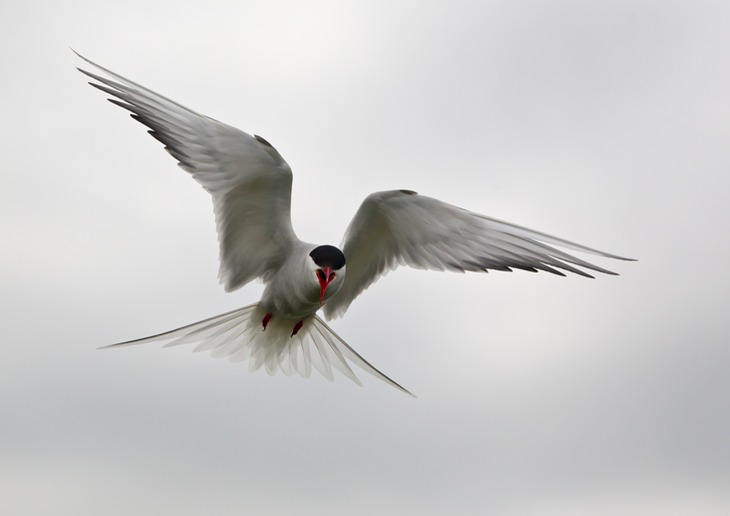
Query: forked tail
[(239, 335)]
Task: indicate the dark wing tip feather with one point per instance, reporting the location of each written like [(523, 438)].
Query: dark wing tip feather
[(119, 98), (93, 76), (262, 140), (525, 268)]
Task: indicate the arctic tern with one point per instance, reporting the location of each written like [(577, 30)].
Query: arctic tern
[(250, 184)]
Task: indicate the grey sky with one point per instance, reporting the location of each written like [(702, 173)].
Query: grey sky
[(605, 123)]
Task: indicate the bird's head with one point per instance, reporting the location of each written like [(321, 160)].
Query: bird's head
[(328, 269)]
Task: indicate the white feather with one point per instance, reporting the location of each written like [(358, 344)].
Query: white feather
[(239, 335), (400, 227), (248, 179)]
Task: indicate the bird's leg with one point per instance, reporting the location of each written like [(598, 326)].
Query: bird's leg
[(297, 327), (266, 319)]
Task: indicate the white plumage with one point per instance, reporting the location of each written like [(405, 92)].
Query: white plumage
[(250, 184)]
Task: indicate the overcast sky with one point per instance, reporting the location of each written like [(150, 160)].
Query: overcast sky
[(606, 123)]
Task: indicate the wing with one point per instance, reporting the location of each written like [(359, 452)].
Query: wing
[(249, 181), (238, 336), (400, 227)]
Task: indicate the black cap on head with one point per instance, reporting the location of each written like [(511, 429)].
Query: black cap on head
[(328, 256)]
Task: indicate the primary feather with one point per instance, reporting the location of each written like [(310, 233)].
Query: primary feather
[(248, 179), (400, 227)]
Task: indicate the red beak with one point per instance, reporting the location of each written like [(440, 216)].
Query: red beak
[(324, 275)]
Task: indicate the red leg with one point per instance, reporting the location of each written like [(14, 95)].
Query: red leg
[(297, 327), (266, 319)]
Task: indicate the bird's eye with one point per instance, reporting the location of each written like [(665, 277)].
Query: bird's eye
[(320, 275), (331, 277)]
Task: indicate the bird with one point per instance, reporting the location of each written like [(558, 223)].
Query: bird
[(251, 185)]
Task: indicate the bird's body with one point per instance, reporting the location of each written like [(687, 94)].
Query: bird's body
[(287, 296), (251, 185)]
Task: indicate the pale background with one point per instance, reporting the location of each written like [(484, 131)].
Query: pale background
[(607, 123)]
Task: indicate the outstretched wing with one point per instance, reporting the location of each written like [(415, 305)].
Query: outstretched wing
[(239, 336), (248, 179), (400, 227)]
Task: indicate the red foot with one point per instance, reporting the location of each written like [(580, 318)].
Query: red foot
[(297, 327), (266, 320)]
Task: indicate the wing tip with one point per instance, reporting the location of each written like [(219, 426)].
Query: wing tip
[(119, 344)]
